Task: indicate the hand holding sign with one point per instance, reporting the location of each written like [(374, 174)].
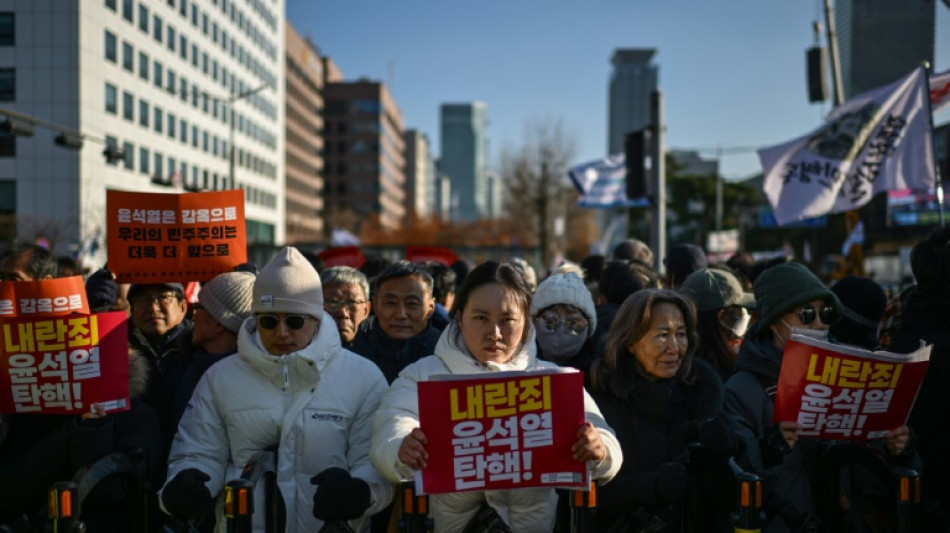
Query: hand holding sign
[(589, 446), (897, 439), (412, 451)]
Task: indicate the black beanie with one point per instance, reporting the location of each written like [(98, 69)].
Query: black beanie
[(782, 288), (862, 307)]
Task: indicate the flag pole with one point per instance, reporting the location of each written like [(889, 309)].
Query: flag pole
[(930, 116)]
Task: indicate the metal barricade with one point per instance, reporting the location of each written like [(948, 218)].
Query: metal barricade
[(415, 511), (749, 516), (583, 504)]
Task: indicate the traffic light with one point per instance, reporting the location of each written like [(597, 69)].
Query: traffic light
[(636, 150), (113, 154), (69, 140), (17, 127), (816, 68)]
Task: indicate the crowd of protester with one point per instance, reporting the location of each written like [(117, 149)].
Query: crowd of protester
[(320, 368)]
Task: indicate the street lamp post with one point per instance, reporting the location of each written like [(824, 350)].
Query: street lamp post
[(231, 100)]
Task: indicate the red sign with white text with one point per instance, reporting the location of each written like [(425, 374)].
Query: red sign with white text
[(64, 364), (157, 238), (842, 392), (351, 256), (49, 297), (502, 431)]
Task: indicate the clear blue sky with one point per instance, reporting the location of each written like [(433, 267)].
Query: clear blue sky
[(732, 71)]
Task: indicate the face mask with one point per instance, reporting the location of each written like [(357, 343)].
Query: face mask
[(817, 334), (740, 326), (558, 346)]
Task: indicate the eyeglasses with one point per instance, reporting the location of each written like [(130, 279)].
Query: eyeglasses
[(145, 300), (292, 321), (335, 305), (808, 314), (551, 323)]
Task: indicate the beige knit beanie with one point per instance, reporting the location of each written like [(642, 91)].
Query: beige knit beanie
[(227, 297), (288, 284)]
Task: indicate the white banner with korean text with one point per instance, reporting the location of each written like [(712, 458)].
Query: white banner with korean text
[(877, 141)]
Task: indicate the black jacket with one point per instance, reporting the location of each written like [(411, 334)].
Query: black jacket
[(653, 421), (392, 355)]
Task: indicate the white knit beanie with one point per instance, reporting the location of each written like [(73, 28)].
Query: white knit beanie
[(568, 289), (288, 284), (227, 297)]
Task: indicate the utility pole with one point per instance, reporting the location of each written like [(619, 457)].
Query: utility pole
[(838, 87), (658, 167)]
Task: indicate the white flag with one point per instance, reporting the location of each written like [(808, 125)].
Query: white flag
[(877, 141), (602, 183), (939, 90)]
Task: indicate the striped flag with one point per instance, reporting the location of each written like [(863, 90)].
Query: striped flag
[(877, 141), (602, 183)]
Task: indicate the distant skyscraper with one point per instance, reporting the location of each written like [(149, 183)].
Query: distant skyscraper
[(631, 82), (882, 40), (420, 174), (464, 157)]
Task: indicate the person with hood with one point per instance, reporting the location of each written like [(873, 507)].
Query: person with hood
[(789, 299), (490, 331), (723, 316), (43, 449), (564, 319), (659, 399), (291, 388)]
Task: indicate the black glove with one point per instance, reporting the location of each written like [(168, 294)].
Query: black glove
[(101, 290), (339, 496), (186, 495), (671, 482), (716, 436)]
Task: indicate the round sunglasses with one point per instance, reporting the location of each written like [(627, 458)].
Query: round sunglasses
[(271, 321), (808, 314)]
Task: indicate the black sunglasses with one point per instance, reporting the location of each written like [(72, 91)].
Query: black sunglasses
[(808, 314), (271, 321)]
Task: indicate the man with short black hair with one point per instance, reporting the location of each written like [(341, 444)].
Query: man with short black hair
[(28, 262), (443, 290), (399, 333)]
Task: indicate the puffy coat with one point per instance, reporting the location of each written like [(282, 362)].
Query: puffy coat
[(315, 406), (525, 510)]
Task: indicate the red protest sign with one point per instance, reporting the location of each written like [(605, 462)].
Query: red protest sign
[(62, 365), (48, 297), (156, 238), (510, 430), (845, 393), (350, 256), (439, 254)]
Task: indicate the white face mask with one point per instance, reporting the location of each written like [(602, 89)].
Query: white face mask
[(741, 324), (817, 334)]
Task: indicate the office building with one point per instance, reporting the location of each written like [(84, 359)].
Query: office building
[(420, 174), (881, 40), (464, 158), (158, 81), (632, 80), (304, 140), (364, 154)]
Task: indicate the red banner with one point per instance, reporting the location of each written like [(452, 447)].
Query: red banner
[(156, 238), (510, 430), (62, 365), (439, 254), (845, 393), (350, 256), (49, 297)]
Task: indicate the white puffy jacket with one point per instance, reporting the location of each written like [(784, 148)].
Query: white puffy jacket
[(315, 405), (525, 510)]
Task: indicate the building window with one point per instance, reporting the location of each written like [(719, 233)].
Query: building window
[(143, 66), (183, 93), (7, 144), (111, 51), (128, 103), (127, 10), (144, 156), (171, 38), (143, 113), (7, 84), (110, 4), (171, 125), (171, 81), (143, 18), (7, 29), (159, 70), (183, 128), (183, 47), (159, 119), (129, 156), (111, 99), (157, 28), (183, 8), (128, 59)]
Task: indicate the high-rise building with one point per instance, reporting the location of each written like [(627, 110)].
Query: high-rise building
[(420, 174), (159, 81), (304, 140), (464, 158), (881, 40), (365, 154), (632, 80)]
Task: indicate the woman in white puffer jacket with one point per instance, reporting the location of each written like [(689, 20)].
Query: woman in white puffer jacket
[(490, 331)]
